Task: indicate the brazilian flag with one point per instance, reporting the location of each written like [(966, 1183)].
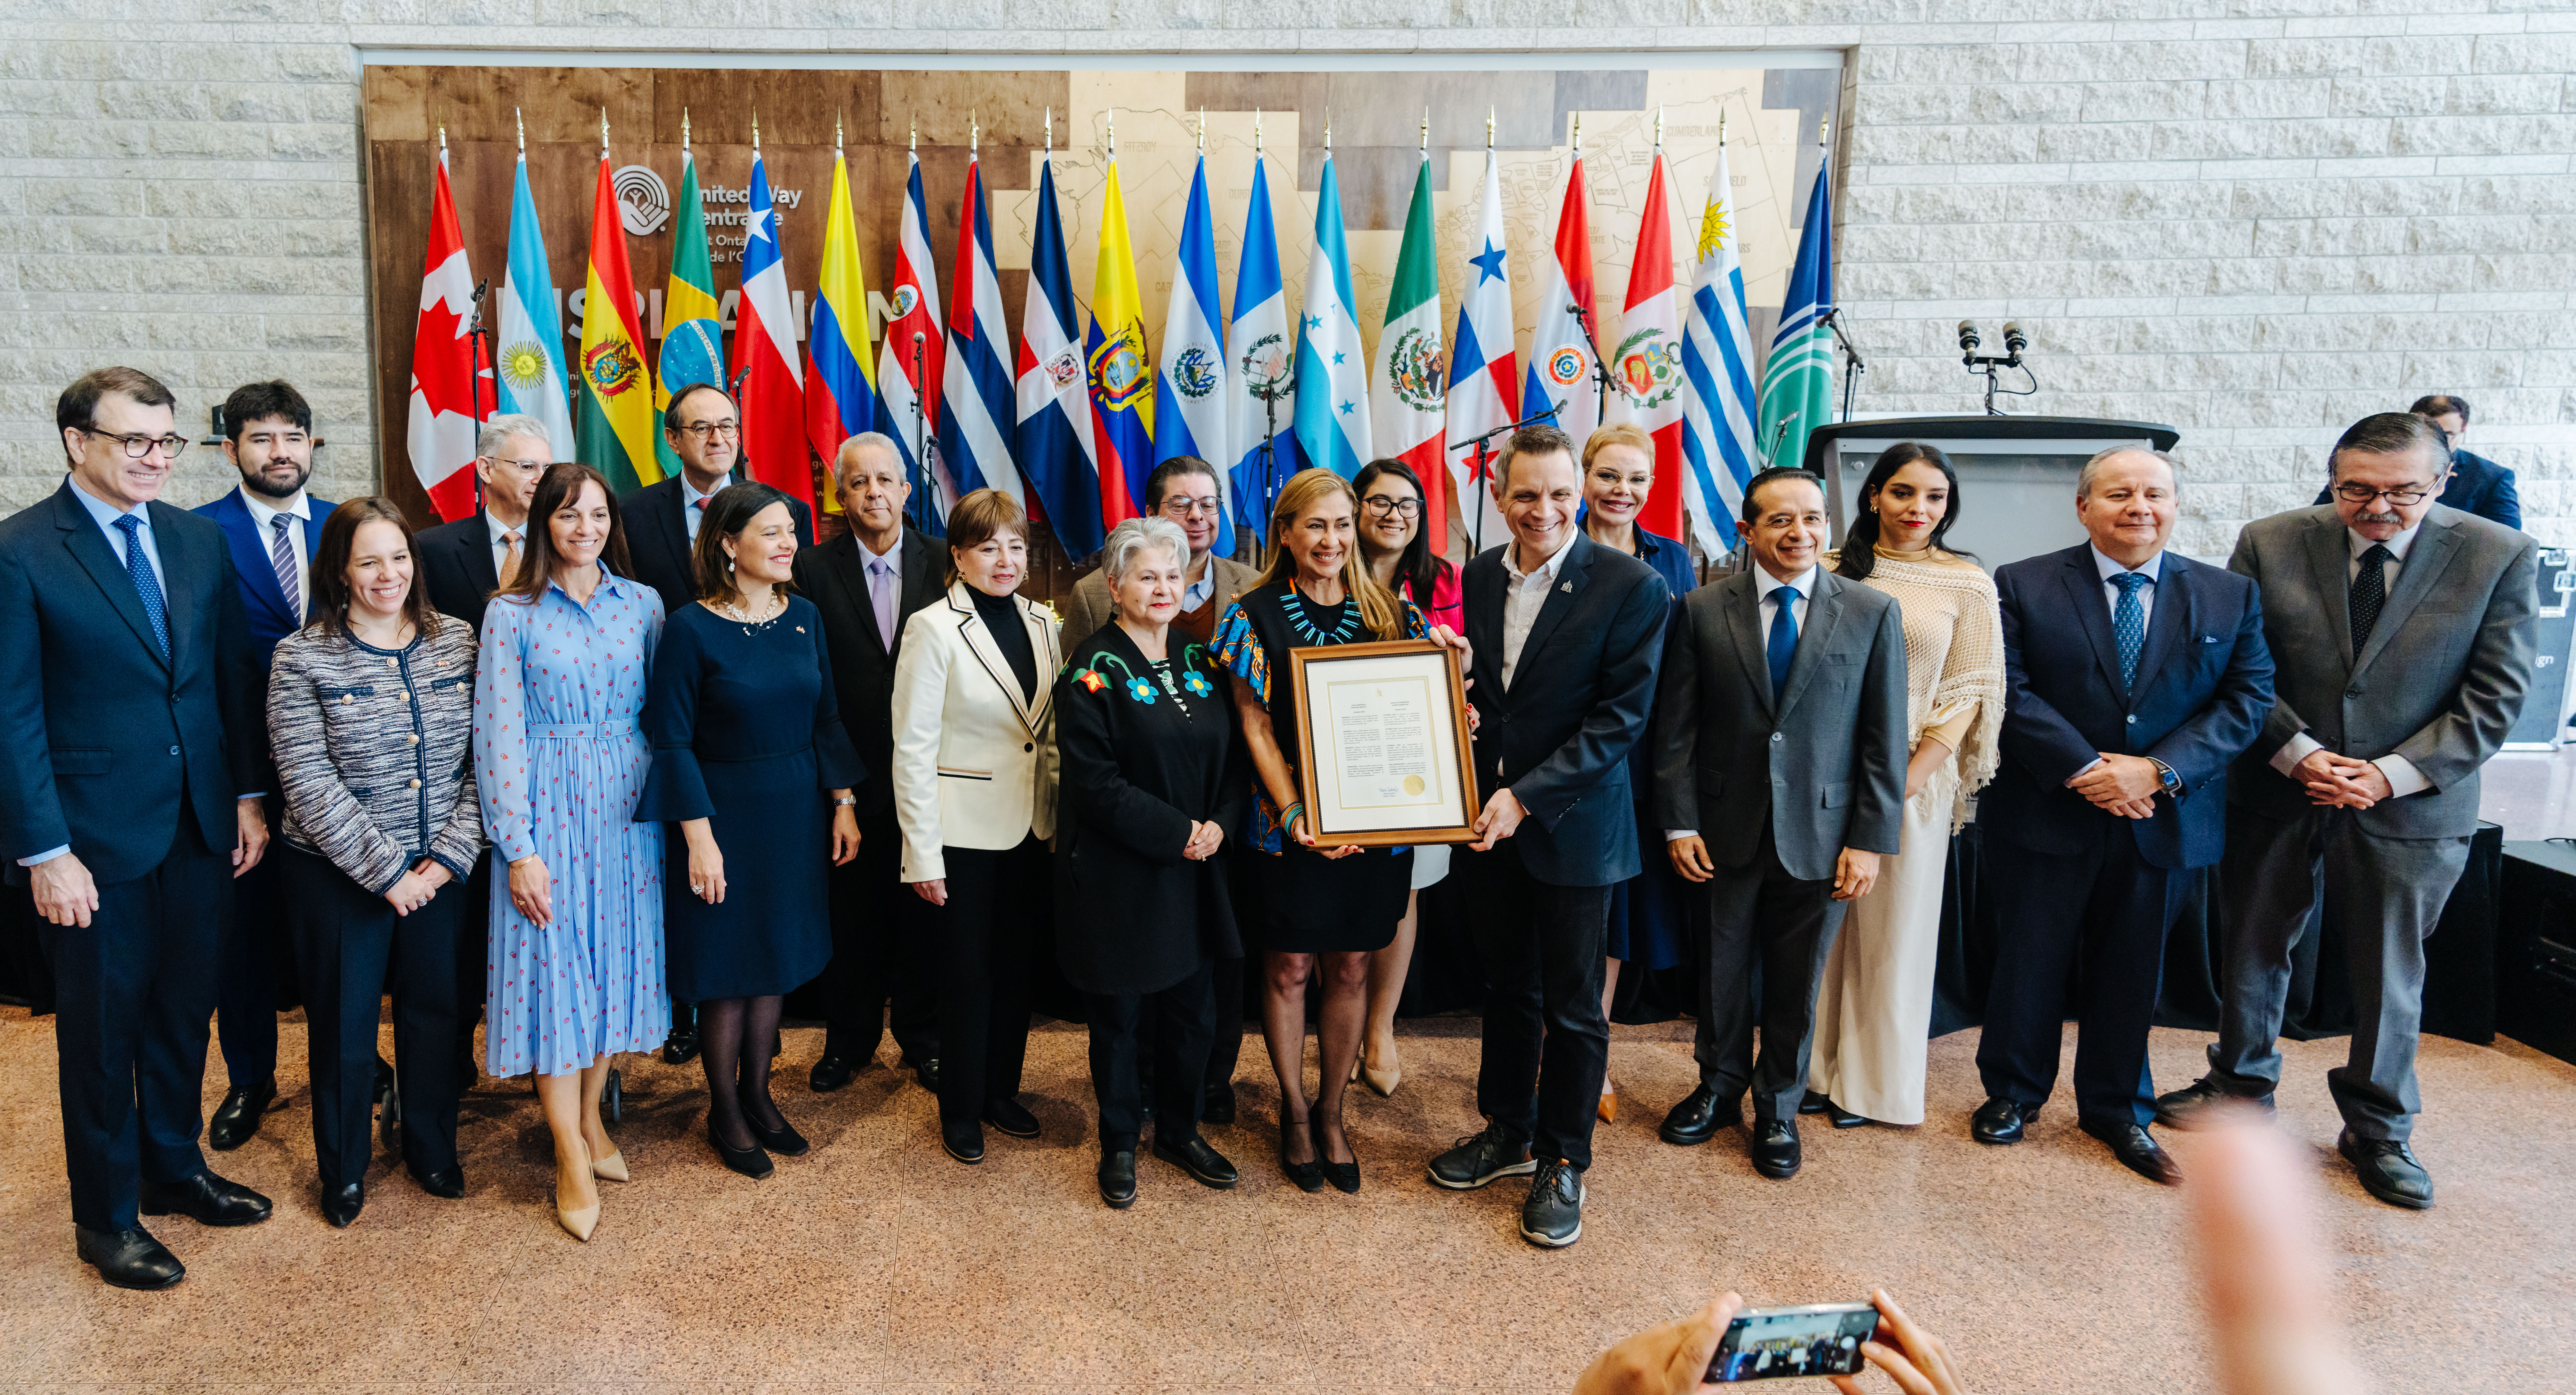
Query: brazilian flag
[(692, 330)]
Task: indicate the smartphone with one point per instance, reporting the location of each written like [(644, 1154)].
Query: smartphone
[(1819, 1339)]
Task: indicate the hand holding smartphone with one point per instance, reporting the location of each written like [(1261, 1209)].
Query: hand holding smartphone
[(1817, 1339)]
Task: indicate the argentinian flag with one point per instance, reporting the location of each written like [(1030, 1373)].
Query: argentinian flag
[(528, 354), (1190, 396)]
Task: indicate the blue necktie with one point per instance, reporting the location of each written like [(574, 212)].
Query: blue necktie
[(1784, 639), (2129, 623), (138, 564)]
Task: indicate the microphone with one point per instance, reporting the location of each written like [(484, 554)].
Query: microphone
[(2014, 340), (1968, 339), (918, 336)]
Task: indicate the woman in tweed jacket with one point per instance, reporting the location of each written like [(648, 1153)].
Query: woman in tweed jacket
[(371, 716)]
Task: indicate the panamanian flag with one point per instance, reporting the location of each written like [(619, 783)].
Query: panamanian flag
[(1332, 369), (1190, 393), (1484, 366)]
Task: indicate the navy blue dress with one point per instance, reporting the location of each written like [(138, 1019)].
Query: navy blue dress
[(1648, 913), (746, 733)]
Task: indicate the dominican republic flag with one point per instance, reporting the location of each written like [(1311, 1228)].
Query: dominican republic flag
[(446, 372), (1646, 364), (765, 358), (1190, 395), (1717, 361), (1055, 392), (1560, 366), (1122, 370), (975, 430), (1262, 360), (909, 361), (1484, 366), (531, 380), (1407, 389), (840, 393), (1332, 410), (1798, 379)]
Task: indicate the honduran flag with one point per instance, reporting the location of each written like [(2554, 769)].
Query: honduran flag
[(1190, 397), (1484, 366), (1054, 390), (1122, 371), (1332, 369), (1646, 366), (765, 357), (1717, 359), (531, 355), (1560, 366), (910, 359), (445, 368), (1261, 359), (976, 428), (1407, 390), (840, 392)]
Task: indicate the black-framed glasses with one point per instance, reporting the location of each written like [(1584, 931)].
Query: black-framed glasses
[(1382, 506), (1178, 506), (2355, 492), (713, 430), (137, 447)]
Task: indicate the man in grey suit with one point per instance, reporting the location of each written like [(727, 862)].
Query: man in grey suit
[(2403, 633), (1780, 729)]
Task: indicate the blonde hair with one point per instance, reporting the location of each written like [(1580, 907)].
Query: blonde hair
[(1304, 490), (1619, 433)]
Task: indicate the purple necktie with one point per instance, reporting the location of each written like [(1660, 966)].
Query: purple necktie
[(281, 557), (881, 589)]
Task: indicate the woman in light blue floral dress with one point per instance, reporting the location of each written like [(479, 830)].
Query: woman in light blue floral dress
[(576, 971)]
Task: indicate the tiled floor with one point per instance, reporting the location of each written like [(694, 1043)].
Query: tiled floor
[(875, 1263)]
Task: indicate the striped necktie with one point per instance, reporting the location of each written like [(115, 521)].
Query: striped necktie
[(281, 555)]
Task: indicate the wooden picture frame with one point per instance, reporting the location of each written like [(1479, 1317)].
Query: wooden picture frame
[(1387, 759)]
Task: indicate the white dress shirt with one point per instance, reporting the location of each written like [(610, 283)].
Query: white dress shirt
[(690, 513), (1524, 598), (1766, 594), (263, 514), (2153, 569), (1203, 590), (501, 532), (105, 515), (2402, 776)]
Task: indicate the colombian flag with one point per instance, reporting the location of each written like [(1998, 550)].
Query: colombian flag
[(616, 429), (1122, 373), (840, 393)]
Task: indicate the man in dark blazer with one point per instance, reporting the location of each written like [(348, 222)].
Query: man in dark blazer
[(130, 776), (2132, 676), (2404, 630), (2474, 484), (461, 562), (271, 529), (1780, 731), (1563, 635), (867, 583)]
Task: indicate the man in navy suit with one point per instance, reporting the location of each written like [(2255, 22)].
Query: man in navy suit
[(461, 562), (271, 531), (129, 796), (2473, 484), (2132, 677)]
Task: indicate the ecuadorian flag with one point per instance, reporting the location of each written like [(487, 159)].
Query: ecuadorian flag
[(616, 428), (1122, 372)]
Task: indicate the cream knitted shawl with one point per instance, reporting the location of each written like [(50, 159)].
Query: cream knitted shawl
[(1954, 660)]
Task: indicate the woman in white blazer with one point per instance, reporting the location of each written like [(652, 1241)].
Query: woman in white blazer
[(974, 792)]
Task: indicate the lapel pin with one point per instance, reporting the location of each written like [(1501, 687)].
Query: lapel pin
[(1567, 588)]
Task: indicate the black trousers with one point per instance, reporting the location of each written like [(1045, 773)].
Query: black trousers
[(346, 938), (246, 986), (1749, 913), (133, 993), (1180, 1022), (1546, 1044), (881, 953), (989, 933), (2101, 916)]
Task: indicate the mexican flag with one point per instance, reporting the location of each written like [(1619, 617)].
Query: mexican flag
[(1407, 398)]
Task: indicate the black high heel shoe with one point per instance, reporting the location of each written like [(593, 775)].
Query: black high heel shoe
[(751, 1162), (783, 1140), (1309, 1176), (1345, 1177)]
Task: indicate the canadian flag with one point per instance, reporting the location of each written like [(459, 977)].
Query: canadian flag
[(451, 389)]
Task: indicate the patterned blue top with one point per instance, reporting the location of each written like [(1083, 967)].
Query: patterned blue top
[(1240, 650)]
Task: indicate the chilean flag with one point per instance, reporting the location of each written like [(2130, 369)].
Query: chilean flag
[(1056, 446), (913, 352), (1646, 365), (975, 432), (769, 371), (448, 391)]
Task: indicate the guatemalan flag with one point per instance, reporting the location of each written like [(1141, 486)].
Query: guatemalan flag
[(1332, 370), (909, 362), (1190, 395), (1560, 367), (976, 429), (1798, 378), (1054, 392), (531, 355), (1484, 365), (1717, 362), (765, 360), (1263, 363), (1646, 367), (840, 395)]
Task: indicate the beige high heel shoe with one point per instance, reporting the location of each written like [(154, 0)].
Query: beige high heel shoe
[(1608, 1109), (612, 1167), (577, 1223), (1382, 1081)]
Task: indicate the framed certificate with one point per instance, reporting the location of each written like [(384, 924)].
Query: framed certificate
[(1383, 727)]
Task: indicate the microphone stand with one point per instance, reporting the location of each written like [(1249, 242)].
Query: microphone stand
[(480, 341), (1485, 455), (1270, 482), (1852, 365), (921, 439), (1600, 366)]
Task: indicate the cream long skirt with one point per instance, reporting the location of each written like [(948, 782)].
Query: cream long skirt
[(1874, 1008)]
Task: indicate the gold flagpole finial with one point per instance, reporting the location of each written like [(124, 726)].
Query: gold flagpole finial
[(1050, 132), (755, 133), (1823, 125), (1256, 133), (836, 133), (1328, 133), (974, 135), (1113, 140), (442, 140), (1489, 128), (684, 132), (1426, 133), (1203, 130), (1578, 135), (603, 133), (1721, 125), (1659, 128), (916, 135), (521, 118)]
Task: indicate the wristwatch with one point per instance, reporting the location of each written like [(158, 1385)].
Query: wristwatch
[(2166, 777), (845, 801)]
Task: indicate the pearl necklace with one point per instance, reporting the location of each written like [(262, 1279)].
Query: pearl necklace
[(732, 610)]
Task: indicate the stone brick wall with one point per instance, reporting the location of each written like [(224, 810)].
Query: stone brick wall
[(2255, 219)]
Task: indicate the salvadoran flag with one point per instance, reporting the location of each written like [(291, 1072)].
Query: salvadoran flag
[(1056, 446), (1484, 366), (766, 362), (1332, 368), (531, 378), (1560, 366), (910, 359), (1190, 395), (1717, 361), (976, 429), (1261, 360)]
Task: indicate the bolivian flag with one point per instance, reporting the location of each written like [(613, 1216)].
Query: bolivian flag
[(616, 427)]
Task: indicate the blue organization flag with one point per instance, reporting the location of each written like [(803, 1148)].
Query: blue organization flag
[(1056, 447), (1190, 399), (1261, 362), (1798, 379)]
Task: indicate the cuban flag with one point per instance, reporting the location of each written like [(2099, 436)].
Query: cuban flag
[(910, 358), (1261, 360), (1190, 393), (1484, 365), (1333, 408), (1560, 367), (531, 354), (1646, 366), (1718, 451), (1056, 446), (975, 431), (765, 361), (1798, 378)]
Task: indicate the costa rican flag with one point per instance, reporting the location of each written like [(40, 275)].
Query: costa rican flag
[(911, 357), (1262, 361), (975, 432), (1189, 394), (1560, 367), (764, 353), (1055, 390)]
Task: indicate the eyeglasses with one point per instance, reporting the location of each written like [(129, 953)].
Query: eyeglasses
[(713, 430), (525, 467), (2355, 492), (1382, 506), (137, 447), (1175, 506)]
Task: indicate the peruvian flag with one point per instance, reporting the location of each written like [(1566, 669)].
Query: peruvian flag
[(765, 361), (1484, 368), (1646, 364), (1560, 361), (449, 388), (1406, 390)]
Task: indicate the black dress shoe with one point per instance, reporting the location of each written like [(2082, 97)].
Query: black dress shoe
[(2388, 1170), (1118, 1178), (831, 1073), (1307, 1176), (237, 1118), (341, 1205), (1813, 1102), (206, 1199), (448, 1182), (2000, 1120), (1774, 1149), (751, 1162), (1698, 1117), (783, 1140), (2136, 1149), (1345, 1177), (1011, 1117), (1193, 1156), (964, 1142), (2182, 1109), (927, 1072), (1839, 1117), (1218, 1107), (128, 1258), (681, 1046)]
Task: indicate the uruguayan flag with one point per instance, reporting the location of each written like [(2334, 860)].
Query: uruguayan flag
[(1717, 366)]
